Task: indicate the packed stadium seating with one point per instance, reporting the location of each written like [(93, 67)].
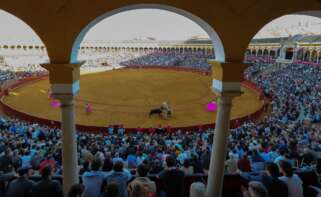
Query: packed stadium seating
[(290, 132)]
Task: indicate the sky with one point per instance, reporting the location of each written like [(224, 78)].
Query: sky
[(14, 30), (291, 25), (160, 24)]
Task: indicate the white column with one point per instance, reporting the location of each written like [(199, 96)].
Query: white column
[(310, 56), (219, 147), (69, 142)]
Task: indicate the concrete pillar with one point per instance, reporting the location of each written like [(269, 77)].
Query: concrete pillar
[(64, 80), (310, 56), (69, 142), (226, 84), (295, 54), (219, 148)]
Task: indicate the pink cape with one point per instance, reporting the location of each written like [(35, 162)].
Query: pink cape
[(211, 106)]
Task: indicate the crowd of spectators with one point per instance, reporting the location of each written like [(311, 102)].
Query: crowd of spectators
[(195, 60), (117, 164), (111, 58), (14, 68), (98, 61), (8, 76)]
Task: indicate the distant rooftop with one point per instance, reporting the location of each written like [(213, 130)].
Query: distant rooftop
[(296, 38), (200, 39)]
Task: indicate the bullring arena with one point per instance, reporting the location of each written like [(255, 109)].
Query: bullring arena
[(125, 97)]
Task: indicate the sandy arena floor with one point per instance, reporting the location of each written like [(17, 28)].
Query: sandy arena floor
[(126, 96)]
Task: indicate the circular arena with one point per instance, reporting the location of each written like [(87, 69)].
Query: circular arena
[(126, 96)]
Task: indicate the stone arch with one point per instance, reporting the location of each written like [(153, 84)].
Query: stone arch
[(14, 18), (254, 52), (299, 54), (218, 46), (272, 53), (265, 52), (278, 52), (289, 51), (307, 55), (260, 52), (248, 52), (314, 13), (314, 56)]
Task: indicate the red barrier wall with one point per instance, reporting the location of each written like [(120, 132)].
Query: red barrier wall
[(95, 129)]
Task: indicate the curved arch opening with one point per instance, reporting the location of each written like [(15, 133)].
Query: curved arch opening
[(216, 42), (289, 53), (307, 56), (15, 37), (314, 56), (288, 69), (293, 37)]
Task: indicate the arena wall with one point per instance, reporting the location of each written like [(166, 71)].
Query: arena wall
[(11, 112)]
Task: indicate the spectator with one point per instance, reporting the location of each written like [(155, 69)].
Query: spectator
[(187, 167), (6, 161), (197, 189), (256, 189), (48, 161), (76, 190), (275, 187), (120, 177), (47, 187), (231, 164), (244, 164), (93, 180), (293, 181), (22, 186), (112, 190), (172, 175), (147, 187), (281, 156)]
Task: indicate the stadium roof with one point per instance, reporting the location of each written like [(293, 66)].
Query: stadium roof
[(199, 39), (312, 38), (269, 40), (297, 38)]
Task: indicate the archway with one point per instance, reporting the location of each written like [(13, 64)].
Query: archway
[(282, 38), (18, 34), (307, 56), (254, 52), (260, 52), (288, 53), (265, 52), (272, 53), (299, 54), (314, 56), (218, 45)]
